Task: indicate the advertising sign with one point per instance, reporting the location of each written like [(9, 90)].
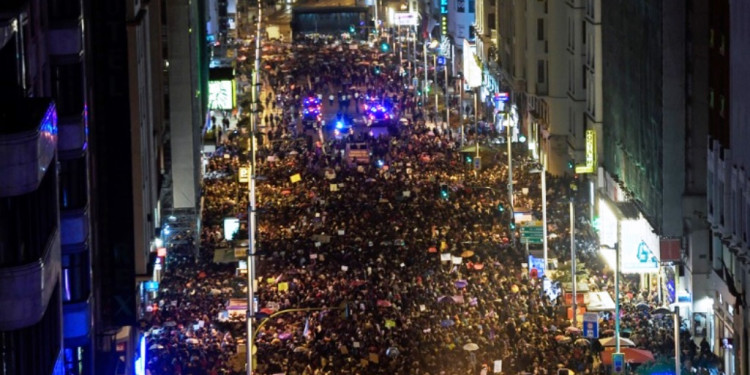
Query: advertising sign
[(472, 71), (590, 153), (639, 252), (591, 325), (231, 226), (221, 94), (443, 17), (406, 18), (607, 224)]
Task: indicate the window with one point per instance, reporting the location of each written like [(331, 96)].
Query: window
[(73, 186), (540, 71), (540, 29), (583, 77), (491, 21), (583, 32), (461, 6), (75, 276), (471, 6)]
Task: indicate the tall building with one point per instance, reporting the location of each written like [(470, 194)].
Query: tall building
[(67, 72), (536, 51), (31, 324), (84, 170), (725, 303)]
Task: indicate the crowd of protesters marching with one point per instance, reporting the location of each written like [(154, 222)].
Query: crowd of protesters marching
[(364, 242)]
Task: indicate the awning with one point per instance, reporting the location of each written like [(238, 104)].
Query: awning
[(600, 301)]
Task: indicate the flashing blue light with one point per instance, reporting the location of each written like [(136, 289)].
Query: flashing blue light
[(339, 125), (140, 362)]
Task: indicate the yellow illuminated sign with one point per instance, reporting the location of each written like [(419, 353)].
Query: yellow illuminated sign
[(590, 154)]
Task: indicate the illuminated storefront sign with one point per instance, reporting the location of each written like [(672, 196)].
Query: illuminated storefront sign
[(639, 252), (406, 18), (607, 225), (221, 94), (472, 71), (590, 153), (444, 17)]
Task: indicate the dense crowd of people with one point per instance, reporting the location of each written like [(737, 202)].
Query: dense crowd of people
[(402, 276)]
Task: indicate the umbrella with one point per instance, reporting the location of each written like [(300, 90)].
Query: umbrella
[(642, 306), (514, 288), (192, 341), (445, 299), (608, 332), (467, 254), (581, 342), (562, 339), (170, 323), (447, 323), (156, 347), (300, 349), (572, 329), (632, 355), (663, 310), (478, 266), (461, 284), (470, 347), (384, 303), (285, 336), (610, 341), (267, 310), (432, 249), (392, 352)]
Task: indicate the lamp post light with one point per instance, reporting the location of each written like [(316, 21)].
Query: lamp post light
[(252, 220), (676, 322), (543, 172)]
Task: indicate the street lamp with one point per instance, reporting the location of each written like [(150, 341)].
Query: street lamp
[(254, 118), (543, 172), (664, 310)]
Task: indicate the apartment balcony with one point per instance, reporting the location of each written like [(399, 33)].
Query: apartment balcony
[(77, 323), (27, 288), (74, 225), (65, 38), (27, 145), (73, 136)]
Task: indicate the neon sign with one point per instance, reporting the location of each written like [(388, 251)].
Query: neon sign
[(444, 17), (590, 153)]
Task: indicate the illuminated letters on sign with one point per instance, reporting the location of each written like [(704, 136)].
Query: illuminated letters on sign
[(590, 153), (444, 17)]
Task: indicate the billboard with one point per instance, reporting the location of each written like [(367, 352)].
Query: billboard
[(222, 94), (639, 252), (406, 18), (472, 71)]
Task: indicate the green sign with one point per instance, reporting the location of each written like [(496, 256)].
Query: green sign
[(532, 240), (532, 230)]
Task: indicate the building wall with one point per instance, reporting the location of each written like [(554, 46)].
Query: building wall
[(633, 99), (185, 111), (145, 124), (593, 64)]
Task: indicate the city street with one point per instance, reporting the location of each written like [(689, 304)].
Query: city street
[(403, 261)]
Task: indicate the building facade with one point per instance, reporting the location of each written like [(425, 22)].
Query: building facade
[(728, 207), (32, 319)]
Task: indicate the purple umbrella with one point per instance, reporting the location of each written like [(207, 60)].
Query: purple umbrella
[(447, 323), (285, 336), (460, 284)]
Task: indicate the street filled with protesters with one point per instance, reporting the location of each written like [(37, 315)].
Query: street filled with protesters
[(405, 258)]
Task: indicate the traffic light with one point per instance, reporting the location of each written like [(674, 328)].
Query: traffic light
[(512, 223), (385, 47), (468, 159), (500, 207), (377, 70), (571, 164), (352, 29), (444, 191), (521, 138)]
